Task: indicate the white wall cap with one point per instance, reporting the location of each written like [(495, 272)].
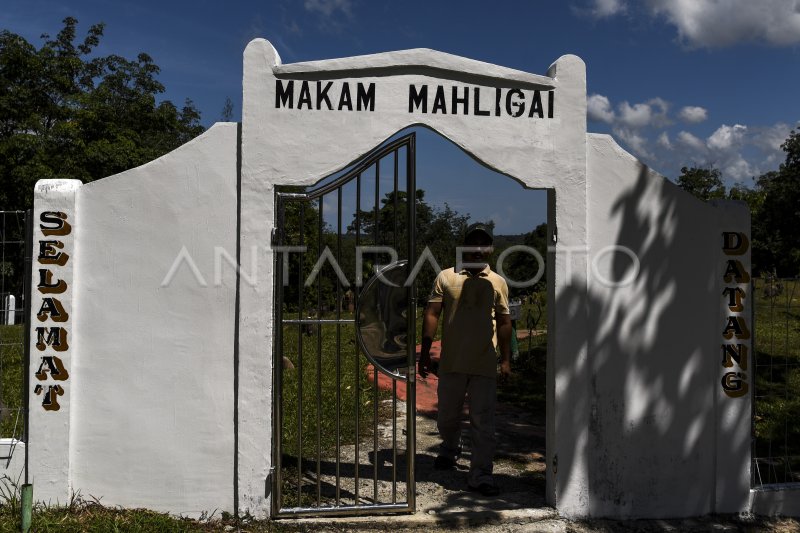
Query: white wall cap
[(417, 59), (48, 186)]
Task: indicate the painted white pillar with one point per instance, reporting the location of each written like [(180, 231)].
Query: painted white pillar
[(254, 423), (10, 308), (568, 398), (734, 378), (52, 342)]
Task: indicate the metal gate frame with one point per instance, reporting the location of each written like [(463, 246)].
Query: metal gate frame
[(281, 199)]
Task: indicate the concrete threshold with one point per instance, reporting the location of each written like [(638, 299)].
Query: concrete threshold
[(450, 519)]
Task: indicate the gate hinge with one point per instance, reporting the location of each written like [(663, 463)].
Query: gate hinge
[(273, 238)]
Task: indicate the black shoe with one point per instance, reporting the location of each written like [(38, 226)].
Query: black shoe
[(485, 489), (444, 463)]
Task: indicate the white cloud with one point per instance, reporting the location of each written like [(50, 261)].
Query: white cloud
[(663, 141), (717, 23), (691, 141), (739, 151), (607, 8), (727, 137), (599, 109), (714, 23), (737, 168), (600, 8), (635, 141), (693, 114), (329, 7), (636, 115), (650, 113), (770, 139)]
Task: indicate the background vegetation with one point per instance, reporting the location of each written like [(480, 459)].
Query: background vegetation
[(774, 201)]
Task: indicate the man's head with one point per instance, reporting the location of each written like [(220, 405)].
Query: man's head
[(478, 234), (478, 241)]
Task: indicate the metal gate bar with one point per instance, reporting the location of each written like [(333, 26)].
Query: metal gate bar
[(324, 503)]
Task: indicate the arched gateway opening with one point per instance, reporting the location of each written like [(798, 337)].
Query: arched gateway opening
[(355, 425)]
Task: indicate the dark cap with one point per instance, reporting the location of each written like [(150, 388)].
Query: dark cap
[(478, 228)]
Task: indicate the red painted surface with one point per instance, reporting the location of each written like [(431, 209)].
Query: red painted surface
[(426, 387)]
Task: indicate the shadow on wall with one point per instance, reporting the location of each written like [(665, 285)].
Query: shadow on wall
[(650, 386)]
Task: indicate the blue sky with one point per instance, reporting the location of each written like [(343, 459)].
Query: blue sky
[(677, 82)]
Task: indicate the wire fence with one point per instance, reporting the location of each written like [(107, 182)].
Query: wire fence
[(776, 397), (12, 331)]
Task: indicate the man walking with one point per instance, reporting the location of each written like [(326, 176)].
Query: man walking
[(476, 320)]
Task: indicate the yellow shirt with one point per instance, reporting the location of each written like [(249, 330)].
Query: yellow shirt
[(469, 333)]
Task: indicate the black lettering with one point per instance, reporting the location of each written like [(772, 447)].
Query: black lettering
[(50, 401), (49, 255), (463, 101), (322, 94), (735, 295), (734, 243), (46, 285), (734, 385), (439, 103), (536, 105), (366, 97), (734, 352), (550, 103), (53, 365), (735, 327), (58, 221), (51, 308), (56, 338), (476, 109), (345, 100), (515, 108), (497, 94), (305, 96), (417, 98), (735, 271), (284, 96)]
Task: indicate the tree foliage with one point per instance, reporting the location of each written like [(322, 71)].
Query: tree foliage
[(704, 183), (67, 113), (523, 266), (775, 227)]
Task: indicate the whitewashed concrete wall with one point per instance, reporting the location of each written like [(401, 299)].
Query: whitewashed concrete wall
[(152, 375), (653, 336)]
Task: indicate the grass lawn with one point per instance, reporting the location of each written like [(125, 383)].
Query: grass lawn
[(11, 374)]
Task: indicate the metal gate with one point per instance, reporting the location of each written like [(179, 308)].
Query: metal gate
[(345, 354), (15, 269)]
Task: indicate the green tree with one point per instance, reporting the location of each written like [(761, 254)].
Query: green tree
[(776, 239), (703, 183), (66, 113), (521, 266)]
